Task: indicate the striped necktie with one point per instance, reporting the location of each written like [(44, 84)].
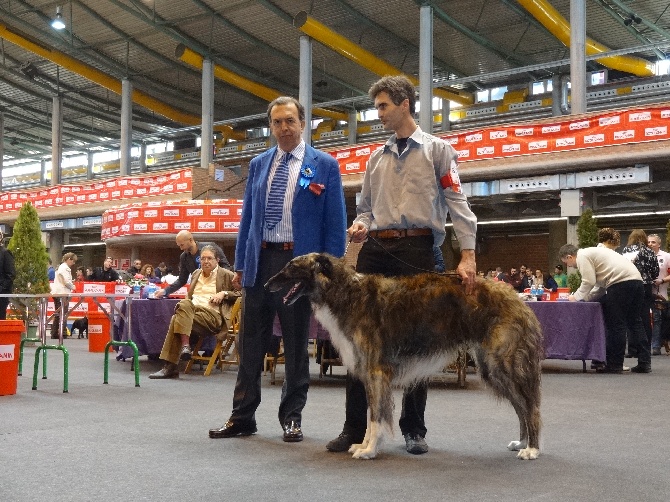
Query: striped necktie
[(275, 205)]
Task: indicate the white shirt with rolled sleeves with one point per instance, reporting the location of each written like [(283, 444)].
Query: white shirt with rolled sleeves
[(416, 189), (663, 264)]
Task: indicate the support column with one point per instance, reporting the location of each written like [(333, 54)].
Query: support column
[(143, 158), (89, 165), (556, 95), (126, 125), (56, 140), (352, 137), (207, 128), (426, 68), (56, 239), (577, 57), (43, 172), (446, 110), (305, 92), (2, 144)]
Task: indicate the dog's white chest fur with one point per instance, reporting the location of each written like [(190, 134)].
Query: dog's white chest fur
[(342, 343)]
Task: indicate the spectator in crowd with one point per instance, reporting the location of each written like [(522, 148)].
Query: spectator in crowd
[(106, 273), (161, 270), (205, 310), (660, 310), (526, 279), (51, 271), (63, 284), (136, 267), (147, 271), (550, 283), (560, 277), (515, 279), (7, 275), (538, 279), (604, 270), (80, 274), (89, 273), (609, 238), (645, 260), (500, 275), (189, 260)]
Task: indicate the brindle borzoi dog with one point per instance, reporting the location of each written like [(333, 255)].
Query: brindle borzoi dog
[(395, 331)]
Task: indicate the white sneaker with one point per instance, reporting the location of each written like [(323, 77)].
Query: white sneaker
[(626, 368)]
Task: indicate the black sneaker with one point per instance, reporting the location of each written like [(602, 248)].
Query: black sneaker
[(415, 444), (343, 442), (641, 369)]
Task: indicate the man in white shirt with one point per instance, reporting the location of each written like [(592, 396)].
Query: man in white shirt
[(660, 311), (603, 269)]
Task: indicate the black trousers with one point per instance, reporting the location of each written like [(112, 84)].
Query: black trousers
[(621, 309), (391, 257), (4, 302), (259, 308)]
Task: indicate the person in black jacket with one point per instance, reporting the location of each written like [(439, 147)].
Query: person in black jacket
[(7, 275), (106, 273), (189, 261)]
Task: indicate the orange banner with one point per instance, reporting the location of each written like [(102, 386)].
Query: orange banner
[(613, 128), (128, 187), (211, 216)]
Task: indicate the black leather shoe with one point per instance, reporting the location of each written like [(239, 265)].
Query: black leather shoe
[(292, 432), (641, 369), (231, 429), (609, 369), (343, 442)]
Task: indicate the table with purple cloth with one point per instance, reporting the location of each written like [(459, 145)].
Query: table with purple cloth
[(572, 330), (149, 322)]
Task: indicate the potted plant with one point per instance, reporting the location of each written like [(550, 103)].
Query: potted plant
[(31, 261)]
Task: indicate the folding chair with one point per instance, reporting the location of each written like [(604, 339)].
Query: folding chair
[(224, 340)]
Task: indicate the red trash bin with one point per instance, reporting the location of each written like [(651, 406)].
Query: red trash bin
[(98, 332), (10, 344)]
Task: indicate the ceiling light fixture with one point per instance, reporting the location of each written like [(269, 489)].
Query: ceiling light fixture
[(57, 23), (632, 18)]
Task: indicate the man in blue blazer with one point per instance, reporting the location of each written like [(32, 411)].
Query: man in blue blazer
[(293, 205)]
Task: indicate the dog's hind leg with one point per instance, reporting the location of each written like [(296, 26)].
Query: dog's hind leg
[(518, 382), (380, 402)]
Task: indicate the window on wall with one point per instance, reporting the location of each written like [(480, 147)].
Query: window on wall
[(662, 67), (494, 94)]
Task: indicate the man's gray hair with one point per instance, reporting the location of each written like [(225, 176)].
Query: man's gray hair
[(211, 249), (567, 250)]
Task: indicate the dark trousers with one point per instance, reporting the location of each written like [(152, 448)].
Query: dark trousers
[(4, 302), (621, 309), (391, 257), (259, 308)]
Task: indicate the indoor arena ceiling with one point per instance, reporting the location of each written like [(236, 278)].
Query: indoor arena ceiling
[(257, 39)]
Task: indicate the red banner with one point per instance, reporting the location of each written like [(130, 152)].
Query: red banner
[(210, 216), (594, 131), (128, 187)]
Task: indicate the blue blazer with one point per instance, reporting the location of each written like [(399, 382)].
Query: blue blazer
[(319, 221)]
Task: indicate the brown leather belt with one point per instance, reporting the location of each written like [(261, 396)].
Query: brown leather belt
[(398, 233), (277, 246)]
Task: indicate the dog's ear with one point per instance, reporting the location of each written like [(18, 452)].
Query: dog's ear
[(324, 265)]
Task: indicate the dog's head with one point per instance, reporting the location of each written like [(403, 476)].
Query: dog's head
[(302, 275)]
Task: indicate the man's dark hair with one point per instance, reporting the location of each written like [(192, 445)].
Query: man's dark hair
[(286, 100), (560, 267), (398, 87)]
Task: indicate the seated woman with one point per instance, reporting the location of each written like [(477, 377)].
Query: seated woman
[(149, 274)]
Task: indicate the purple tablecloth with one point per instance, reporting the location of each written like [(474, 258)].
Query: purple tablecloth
[(572, 330), (150, 320)]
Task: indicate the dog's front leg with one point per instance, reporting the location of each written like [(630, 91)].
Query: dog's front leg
[(380, 403)]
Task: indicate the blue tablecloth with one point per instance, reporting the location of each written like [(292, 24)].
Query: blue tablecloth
[(572, 330)]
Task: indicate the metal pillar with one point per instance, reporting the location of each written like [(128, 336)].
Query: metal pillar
[(143, 158), (577, 57), (305, 92), (426, 68), (353, 127), (446, 110), (56, 140), (207, 128), (2, 144), (556, 88), (43, 172), (126, 125), (89, 165)]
